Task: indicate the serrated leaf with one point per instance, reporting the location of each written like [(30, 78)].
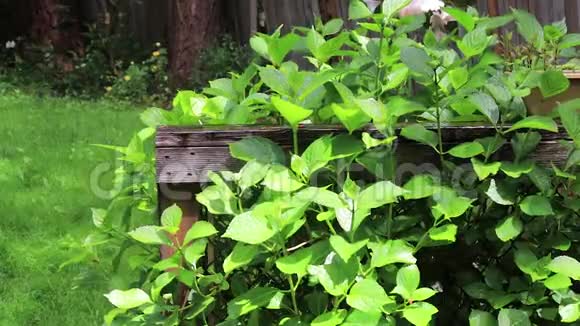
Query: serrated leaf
[(474, 43), (509, 228), (335, 275), (422, 294), (392, 7), (570, 116), (459, 77), (417, 60), (195, 251), (379, 194), (351, 117), (450, 204), (171, 218), (515, 170), (529, 27), (536, 206), (462, 17), (358, 10), (569, 41)]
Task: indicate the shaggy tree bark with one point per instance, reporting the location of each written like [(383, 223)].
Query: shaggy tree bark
[(193, 25)]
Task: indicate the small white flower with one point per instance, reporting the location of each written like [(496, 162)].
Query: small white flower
[(10, 44), (422, 6)]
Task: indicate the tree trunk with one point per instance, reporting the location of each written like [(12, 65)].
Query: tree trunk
[(330, 9), (44, 21), (193, 24), (290, 13)]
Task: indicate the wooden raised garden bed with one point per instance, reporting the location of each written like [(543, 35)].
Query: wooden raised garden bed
[(185, 155)]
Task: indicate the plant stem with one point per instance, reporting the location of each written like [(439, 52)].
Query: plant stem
[(289, 278), (439, 131), (295, 140), (379, 61)]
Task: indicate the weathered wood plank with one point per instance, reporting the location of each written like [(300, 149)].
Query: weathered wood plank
[(186, 155)]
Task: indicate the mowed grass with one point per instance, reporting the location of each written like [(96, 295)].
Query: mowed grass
[(46, 160)]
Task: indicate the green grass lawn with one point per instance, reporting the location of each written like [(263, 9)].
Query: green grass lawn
[(46, 160)]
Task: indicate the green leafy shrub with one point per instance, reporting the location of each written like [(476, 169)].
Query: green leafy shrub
[(299, 238)]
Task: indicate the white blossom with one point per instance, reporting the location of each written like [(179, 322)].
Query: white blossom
[(10, 44), (417, 7)]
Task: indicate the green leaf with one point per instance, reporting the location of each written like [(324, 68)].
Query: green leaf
[(536, 206), (358, 10), (422, 294), (391, 252), (535, 122), (344, 248), (248, 228), (371, 142), (567, 266), (150, 234), (466, 150), (160, 282), (525, 143), (528, 263), (201, 229), (171, 218), (251, 174), (553, 82), (570, 116), (557, 282), (420, 134), (419, 313), (513, 317), (259, 45), (392, 7), (298, 262), (368, 296), (358, 318), (241, 255), (332, 318), (474, 43), (569, 313), (319, 196), (515, 170), (417, 60), (481, 318), (484, 170), (335, 275), (253, 299), (458, 76), (444, 233), (509, 228), (379, 194), (257, 148), (529, 28), (486, 105), (569, 41), (499, 194), (351, 117), (195, 251), (293, 113), (398, 74), (491, 144), (463, 18), (129, 299), (279, 178), (333, 26), (408, 279), (420, 186), (450, 204)]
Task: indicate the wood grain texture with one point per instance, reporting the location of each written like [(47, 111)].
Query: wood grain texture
[(186, 155)]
